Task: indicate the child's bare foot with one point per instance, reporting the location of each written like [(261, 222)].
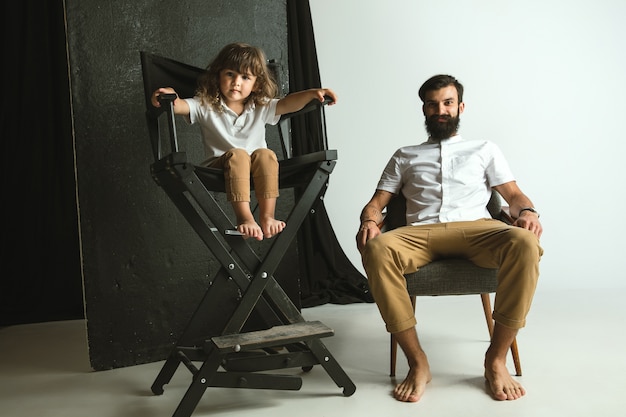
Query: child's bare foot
[(250, 228), (502, 385), (271, 226), (414, 385)]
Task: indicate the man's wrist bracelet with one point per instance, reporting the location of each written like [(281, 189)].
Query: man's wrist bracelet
[(531, 209), (369, 220)]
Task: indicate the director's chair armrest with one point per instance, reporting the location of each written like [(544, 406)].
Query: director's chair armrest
[(152, 118), (284, 125)]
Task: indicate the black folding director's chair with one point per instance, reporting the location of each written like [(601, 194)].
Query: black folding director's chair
[(216, 338)]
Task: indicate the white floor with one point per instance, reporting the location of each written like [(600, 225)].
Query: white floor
[(572, 354)]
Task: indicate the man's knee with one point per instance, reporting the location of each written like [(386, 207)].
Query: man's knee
[(376, 251), (525, 243)]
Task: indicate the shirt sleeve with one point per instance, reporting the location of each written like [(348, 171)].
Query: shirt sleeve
[(391, 178), (498, 171), (269, 112), (194, 108)]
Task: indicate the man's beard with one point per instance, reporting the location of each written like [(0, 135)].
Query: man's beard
[(442, 130)]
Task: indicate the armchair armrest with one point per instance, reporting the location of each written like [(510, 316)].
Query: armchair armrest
[(505, 215)]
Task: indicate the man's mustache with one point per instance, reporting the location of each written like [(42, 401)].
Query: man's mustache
[(436, 117)]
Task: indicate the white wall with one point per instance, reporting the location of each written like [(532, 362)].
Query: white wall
[(545, 79)]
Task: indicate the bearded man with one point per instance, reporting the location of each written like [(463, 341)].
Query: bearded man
[(447, 182)]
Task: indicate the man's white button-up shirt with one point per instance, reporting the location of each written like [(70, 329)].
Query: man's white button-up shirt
[(446, 181)]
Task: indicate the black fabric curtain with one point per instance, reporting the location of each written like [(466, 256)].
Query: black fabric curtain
[(39, 249), (327, 274)]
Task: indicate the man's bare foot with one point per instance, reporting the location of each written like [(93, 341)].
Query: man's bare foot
[(414, 385), (503, 386), (250, 228), (271, 226)]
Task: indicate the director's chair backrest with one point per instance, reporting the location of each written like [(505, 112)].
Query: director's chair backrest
[(164, 72)]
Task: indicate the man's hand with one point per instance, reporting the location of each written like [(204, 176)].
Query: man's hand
[(370, 218), (517, 200), (368, 230), (530, 221)]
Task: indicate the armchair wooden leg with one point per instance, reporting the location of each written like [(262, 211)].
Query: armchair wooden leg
[(485, 297), (516, 361), (394, 354), (487, 309)]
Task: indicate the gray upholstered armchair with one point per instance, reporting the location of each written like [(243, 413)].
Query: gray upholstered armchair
[(450, 276)]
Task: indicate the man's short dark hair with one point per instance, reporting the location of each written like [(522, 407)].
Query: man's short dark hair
[(438, 82)]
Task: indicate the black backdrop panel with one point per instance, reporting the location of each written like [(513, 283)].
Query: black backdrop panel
[(144, 268)]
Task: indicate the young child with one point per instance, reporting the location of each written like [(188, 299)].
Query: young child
[(235, 99)]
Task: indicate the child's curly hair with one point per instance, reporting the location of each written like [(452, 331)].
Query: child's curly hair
[(242, 58)]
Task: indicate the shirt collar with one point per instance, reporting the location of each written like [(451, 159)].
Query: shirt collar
[(247, 109), (454, 139)]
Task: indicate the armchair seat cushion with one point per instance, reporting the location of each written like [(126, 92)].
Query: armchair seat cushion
[(451, 277)]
